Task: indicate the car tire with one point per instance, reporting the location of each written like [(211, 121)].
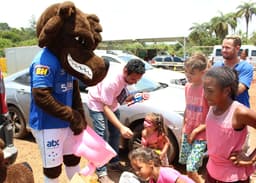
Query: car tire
[(18, 122), (135, 142)]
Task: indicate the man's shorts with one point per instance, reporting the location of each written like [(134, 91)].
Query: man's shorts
[(53, 144)]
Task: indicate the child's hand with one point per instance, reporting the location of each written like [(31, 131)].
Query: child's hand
[(191, 137), (240, 158)]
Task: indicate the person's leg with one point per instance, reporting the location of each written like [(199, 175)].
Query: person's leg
[(71, 161), (195, 160), (101, 128), (114, 138), (50, 142), (185, 150)]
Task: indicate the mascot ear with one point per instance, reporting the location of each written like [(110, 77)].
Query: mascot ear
[(51, 21), (95, 28)]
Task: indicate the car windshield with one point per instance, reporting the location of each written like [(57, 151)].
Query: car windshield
[(127, 58), (144, 85)]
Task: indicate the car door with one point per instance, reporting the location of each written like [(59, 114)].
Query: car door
[(22, 93)]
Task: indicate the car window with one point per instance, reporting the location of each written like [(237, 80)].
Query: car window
[(177, 59), (144, 85), (253, 53), (158, 59), (110, 59), (23, 79), (167, 59)]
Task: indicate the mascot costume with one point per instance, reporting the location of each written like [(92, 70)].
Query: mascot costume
[(68, 37)]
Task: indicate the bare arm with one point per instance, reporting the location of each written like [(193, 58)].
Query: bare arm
[(166, 145), (125, 131), (244, 116), (196, 131), (241, 88)]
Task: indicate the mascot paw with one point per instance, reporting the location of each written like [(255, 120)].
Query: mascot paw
[(78, 123)]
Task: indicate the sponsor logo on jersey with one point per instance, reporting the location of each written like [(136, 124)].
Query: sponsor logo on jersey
[(52, 143), (42, 70)]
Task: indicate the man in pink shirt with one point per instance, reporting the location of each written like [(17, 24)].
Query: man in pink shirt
[(104, 100)]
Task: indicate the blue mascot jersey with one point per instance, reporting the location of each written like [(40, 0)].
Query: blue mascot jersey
[(46, 72)]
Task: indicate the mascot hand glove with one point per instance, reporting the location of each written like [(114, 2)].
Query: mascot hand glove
[(78, 122)]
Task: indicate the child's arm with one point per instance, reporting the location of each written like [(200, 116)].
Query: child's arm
[(196, 131), (143, 138), (166, 146), (244, 116), (243, 159)]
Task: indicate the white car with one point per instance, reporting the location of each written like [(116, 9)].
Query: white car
[(163, 76), (169, 101)]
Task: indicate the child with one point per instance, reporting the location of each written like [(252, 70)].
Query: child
[(153, 136), (193, 138), (147, 165), (226, 128)]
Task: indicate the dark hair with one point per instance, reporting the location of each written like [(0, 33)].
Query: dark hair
[(145, 155), (135, 66), (236, 39), (197, 61), (225, 77)]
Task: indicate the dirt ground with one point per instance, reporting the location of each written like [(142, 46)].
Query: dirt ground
[(28, 151)]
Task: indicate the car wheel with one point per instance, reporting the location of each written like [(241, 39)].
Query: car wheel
[(174, 148), (135, 142), (18, 122)]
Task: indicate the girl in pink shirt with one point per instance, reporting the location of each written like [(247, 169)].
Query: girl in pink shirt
[(154, 136), (226, 128), (147, 165)]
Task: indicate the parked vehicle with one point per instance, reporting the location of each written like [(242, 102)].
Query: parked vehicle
[(6, 130), (167, 62), (163, 76), (169, 101), (250, 49)]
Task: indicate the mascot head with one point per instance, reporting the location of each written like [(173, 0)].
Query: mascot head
[(72, 36)]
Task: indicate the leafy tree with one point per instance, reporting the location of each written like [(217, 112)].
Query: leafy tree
[(220, 24), (246, 10)]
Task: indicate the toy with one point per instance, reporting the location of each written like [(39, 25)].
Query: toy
[(138, 97), (92, 147)]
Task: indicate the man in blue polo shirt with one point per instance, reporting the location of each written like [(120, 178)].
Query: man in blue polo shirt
[(230, 49)]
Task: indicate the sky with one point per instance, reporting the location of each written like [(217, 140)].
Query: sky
[(130, 19)]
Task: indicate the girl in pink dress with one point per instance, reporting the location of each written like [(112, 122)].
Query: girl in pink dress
[(226, 128), (147, 165), (153, 136)]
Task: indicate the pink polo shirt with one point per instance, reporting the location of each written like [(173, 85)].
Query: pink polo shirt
[(106, 91), (222, 140)]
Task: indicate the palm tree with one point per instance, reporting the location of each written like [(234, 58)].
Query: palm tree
[(220, 24), (246, 10), (199, 32)]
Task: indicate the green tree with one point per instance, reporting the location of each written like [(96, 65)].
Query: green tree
[(246, 10), (220, 24)]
